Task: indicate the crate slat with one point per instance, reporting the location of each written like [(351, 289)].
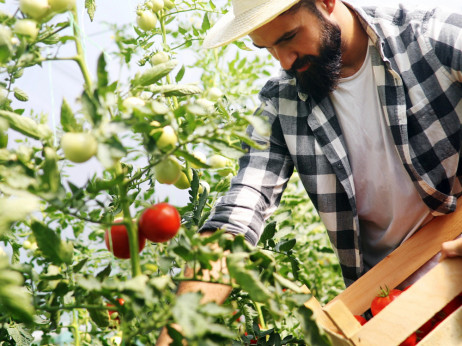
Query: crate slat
[(448, 332), (343, 319)]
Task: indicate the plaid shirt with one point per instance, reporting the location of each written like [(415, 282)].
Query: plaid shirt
[(417, 64)]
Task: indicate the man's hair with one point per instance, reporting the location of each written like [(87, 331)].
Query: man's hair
[(306, 4)]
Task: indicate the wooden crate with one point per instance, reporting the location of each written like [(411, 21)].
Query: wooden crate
[(413, 307)]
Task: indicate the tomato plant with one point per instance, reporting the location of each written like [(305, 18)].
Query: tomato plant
[(160, 222)]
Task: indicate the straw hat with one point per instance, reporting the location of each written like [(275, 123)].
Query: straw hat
[(246, 16)]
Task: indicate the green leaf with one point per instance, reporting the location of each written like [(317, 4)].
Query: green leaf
[(153, 74), (53, 247), (20, 95), (20, 334), (51, 175), (16, 209), (16, 301), (313, 334), (179, 76), (287, 283), (90, 6), (101, 72), (268, 232), (176, 89), (205, 22), (99, 316), (68, 120), (26, 126), (248, 279), (285, 246)]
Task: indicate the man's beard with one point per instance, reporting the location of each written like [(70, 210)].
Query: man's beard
[(323, 74)]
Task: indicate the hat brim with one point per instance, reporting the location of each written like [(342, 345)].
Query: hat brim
[(230, 28)]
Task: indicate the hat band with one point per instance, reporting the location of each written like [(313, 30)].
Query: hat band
[(241, 6)]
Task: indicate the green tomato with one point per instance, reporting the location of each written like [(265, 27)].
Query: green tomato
[(203, 185), (168, 138), (184, 182), (214, 94), (218, 161), (168, 4), (26, 27), (6, 47), (133, 102), (35, 9), (159, 58), (146, 20), (168, 171), (61, 5), (79, 147), (157, 5)]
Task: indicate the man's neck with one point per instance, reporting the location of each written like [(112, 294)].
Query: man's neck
[(354, 41)]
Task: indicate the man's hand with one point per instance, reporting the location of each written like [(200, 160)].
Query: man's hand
[(451, 248)]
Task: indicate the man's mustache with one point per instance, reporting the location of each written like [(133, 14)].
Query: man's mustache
[(301, 62)]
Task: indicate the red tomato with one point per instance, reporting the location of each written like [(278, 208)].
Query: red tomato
[(253, 341), (384, 298), (160, 222), (410, 341), (120, 302), (452, 306), (120, 246), (361, 319)]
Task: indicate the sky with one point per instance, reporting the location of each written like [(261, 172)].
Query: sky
[(47, 85)]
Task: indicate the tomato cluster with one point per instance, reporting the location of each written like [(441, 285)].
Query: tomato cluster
[(385, 297), (158, 223)]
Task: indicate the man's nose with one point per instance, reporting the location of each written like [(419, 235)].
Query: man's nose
[(286, 57)]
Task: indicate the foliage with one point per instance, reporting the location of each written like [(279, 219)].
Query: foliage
[(60, 281)]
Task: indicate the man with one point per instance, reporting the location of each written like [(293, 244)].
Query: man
[(368, 111)]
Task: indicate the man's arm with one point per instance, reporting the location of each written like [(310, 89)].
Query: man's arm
[(211, 292)]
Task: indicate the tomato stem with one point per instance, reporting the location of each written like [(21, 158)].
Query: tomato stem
[(132, 230), (165, 43), (80, 58)]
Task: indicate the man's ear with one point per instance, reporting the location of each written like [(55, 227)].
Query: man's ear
[(328, 5)]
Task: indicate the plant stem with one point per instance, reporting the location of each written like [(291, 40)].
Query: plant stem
[(260, 315), (75, 327), (164, 41), (131, 228), (80, 58)]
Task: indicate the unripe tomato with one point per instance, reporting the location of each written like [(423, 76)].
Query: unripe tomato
[(132, 102), (159, 58), (168, 171), (26, 27), (168, 138), (214, 94), (61, 5), (120, 243), (160, 222), (157, 5), (200, 156), (184, 182), (35, 9), (6, 49), (218, 161), (79, 146), (146, 20), (168, 4)]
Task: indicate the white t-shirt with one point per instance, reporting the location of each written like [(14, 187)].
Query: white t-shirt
[(389, 207)]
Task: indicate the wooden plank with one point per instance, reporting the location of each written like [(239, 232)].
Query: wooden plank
[(448, 332), (343, 319), (413, 307), (402, 262)]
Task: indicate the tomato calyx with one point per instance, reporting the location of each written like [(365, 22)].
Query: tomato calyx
[(383, 298)]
